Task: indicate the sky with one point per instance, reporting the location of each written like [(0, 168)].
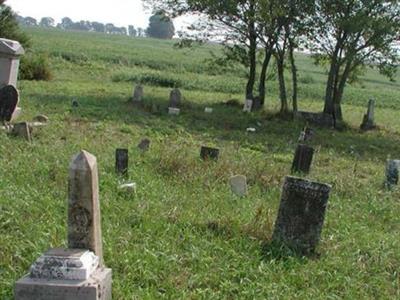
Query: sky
[(118, 12)]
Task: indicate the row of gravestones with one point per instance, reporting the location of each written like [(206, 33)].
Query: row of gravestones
[(79, 273)]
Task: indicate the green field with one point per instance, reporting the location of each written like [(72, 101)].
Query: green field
[(184, 235)]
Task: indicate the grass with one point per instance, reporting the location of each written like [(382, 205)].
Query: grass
[(184, 234)]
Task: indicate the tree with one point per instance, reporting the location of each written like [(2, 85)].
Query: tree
[(349, 35), (29, 21), (160, 26), (47, 22), (98, 27), (132, 31), (66, 23), (9, 26)]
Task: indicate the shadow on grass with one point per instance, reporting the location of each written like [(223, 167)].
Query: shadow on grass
[(226, 122), (272, 250)]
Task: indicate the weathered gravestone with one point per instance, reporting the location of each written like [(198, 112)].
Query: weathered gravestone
[(301, 214), (76, 273), (23, 130), (138, 94), (174, 111), (238, 185), (248, 104), (144, 145), (41, 119), (369, 119), (302, 159), (175, 98), (207, 153), (8, 103), (392, 173), (10, 53), (121, 161), (208, 110)]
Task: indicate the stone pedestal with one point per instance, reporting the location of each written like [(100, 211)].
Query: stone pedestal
[(302, 159), (301, 214), (97, 287)]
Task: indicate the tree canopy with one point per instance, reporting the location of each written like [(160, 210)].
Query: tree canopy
[(160, 26)]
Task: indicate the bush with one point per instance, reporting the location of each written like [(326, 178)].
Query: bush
[(35, 67)]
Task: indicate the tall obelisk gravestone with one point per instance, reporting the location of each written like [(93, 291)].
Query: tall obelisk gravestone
[(76, 273)]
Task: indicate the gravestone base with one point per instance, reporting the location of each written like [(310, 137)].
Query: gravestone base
[(97, 287), (367, 124)]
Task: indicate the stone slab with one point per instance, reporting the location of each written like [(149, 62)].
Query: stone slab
[(97, 287), (238, 185)]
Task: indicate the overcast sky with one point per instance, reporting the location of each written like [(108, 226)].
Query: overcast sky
[(118, 12)]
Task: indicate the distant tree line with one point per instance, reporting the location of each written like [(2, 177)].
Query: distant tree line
[(160, 26)]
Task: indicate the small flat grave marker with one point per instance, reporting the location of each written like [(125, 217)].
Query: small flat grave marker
[(207, 153)]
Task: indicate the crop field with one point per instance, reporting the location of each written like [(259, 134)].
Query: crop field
[(184, 235)]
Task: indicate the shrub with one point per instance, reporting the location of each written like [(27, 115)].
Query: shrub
[(35, 67)]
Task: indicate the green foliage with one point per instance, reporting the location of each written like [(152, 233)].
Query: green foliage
[(35, 67), (9, 28), (160, 26)]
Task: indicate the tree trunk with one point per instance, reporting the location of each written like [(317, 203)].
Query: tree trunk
[(263, 76), (294, 75), (252, 61), (339, 91), (282, 85)]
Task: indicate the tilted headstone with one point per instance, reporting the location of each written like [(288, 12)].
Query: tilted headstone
[(207, 153), (248, 104), (144, 145), (369, 119), (76, 273), (175, 98), (23, 130), (9, 98), (392, 173), (138, 93), (10, 53), (121, 161), (302, 159), (238, 185), (301, 214)]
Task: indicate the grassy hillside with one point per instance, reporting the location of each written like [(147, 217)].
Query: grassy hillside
[(184, 235)]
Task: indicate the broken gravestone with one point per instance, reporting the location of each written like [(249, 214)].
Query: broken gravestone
[(369, 119), (301, 214), (78, 272), (392, 173), (207, 153), (138, 94), (121, 162), (175, 98), (144, 145), (302, 159), (238, 185), (23, 130)]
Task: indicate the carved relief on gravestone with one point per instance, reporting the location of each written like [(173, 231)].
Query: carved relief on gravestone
[(84, 228), (302, 159), (175, 98), (301, 214)]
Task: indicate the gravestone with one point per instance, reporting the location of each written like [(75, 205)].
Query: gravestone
[(138, 94), (208, 110), (144, 145), (248, 104), (121, 161), (301, 214), (174, 111), (175, 98), (76, 273), (369, 119), (41, 119), (10, 53), (23, 130), (392, 173), (75, 103), (9, 98), (306, 135), (238, 185), (129, 187), (302, 159), (207, 153)]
